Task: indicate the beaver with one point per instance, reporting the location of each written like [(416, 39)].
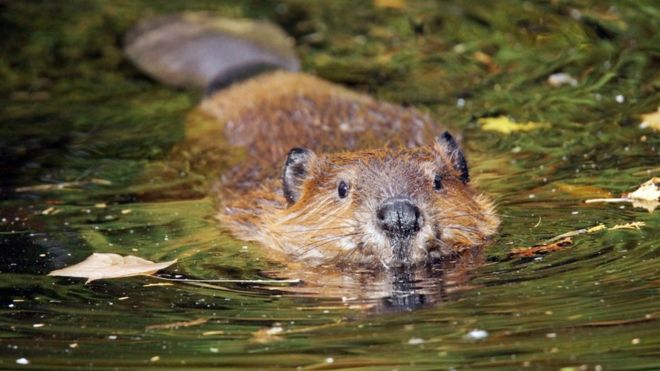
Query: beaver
[(330, 177)]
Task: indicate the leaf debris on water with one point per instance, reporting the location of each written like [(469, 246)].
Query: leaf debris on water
[(505, 125), (651, 121), (564, 240), (102, 265), (647, 196), (541, 249)]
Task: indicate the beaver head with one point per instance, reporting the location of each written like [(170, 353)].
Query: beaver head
[(384, 207)]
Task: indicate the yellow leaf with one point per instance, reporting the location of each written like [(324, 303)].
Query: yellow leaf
[(504, 125), (99, 266), (651, 120), (597, 228)]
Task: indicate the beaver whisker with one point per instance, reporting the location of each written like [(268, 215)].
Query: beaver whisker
[(308, 230), (322, 242), (325, 238), (461, 228), (443, 213)]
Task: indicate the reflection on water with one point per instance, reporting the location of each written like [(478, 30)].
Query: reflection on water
[(395, 290)]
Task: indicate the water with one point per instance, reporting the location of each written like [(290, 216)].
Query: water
[(75, 111)]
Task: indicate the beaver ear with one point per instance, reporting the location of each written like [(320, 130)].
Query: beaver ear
[(295, 171), (451, 152)]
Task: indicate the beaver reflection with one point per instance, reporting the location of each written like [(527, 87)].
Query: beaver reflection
[(394, 290)]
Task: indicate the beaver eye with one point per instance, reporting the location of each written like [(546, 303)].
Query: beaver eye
[(437, 182), (342, 189)]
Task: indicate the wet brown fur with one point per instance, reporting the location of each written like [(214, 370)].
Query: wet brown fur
[(380, 149)]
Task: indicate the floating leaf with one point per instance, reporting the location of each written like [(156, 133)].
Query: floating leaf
[(99, 266), (651, 120), (647, 196), (504, 125)]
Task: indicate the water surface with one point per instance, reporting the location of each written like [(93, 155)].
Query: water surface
[(77, 115)]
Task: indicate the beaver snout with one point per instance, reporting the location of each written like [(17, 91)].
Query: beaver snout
[(398, 217)]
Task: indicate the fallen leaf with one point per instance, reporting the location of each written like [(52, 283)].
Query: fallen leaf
[(651, 120), (528, 252), (504, 125), (99, 266), (647, 196)]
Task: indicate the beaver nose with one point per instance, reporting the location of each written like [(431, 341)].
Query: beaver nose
[(398, 217)]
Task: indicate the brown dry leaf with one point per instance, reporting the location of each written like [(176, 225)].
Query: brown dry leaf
[(651, 120), (99, 265), (647, 196), (529, 252), (504, 125)]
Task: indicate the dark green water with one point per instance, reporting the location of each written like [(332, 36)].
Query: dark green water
[(74, 110)]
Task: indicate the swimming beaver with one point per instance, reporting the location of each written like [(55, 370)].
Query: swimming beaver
[(366, 183)]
